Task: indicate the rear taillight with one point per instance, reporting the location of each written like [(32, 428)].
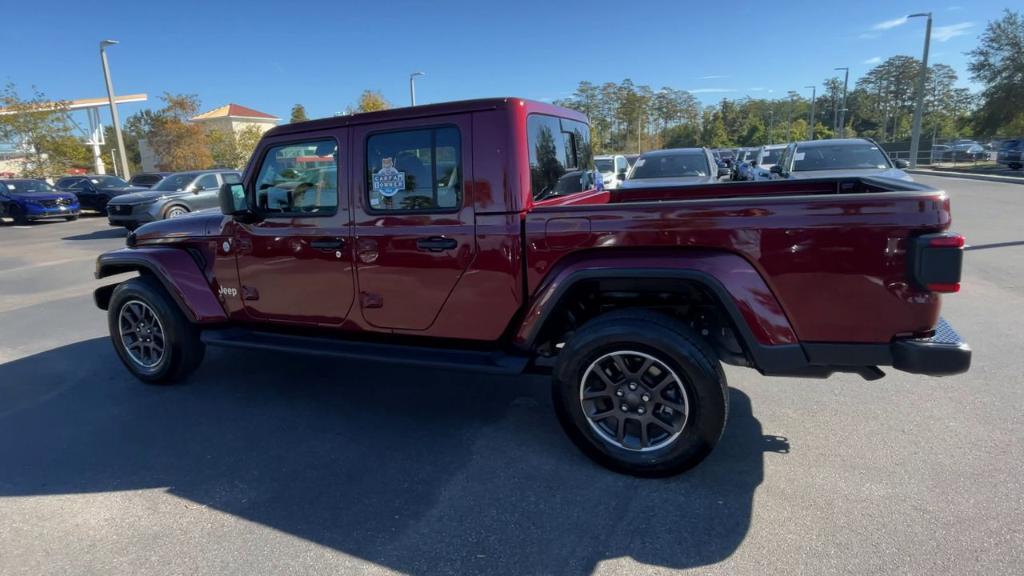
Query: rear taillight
[(935, 261)]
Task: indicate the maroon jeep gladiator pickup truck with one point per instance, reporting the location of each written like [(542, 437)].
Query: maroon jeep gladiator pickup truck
[(467, 235)]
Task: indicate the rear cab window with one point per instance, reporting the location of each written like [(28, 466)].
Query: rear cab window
[(561, 159)]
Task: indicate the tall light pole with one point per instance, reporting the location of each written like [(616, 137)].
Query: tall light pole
[(412, 86), (915, 131), (842, 110), (810, 126), (126, 174)]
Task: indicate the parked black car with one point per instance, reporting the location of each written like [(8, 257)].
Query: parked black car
[(94, 191), (1011, 153), (147, 179)]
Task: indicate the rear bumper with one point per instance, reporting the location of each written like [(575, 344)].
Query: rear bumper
[(944, 354)]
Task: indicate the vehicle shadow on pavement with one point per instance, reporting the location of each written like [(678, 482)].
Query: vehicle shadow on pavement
[(103, 234), (421, 471)]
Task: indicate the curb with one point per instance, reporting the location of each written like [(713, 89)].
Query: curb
[(968, 176)]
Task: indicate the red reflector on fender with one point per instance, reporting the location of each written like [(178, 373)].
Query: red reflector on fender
[(947, 242), (953, 287)]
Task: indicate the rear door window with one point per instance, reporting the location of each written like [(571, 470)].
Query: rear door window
[(414, 170)]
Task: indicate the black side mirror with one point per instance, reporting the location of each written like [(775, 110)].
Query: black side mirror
[(900, 163), (620, 176), (232, 200), (776, 169)]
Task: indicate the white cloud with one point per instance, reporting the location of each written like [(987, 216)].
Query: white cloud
[(944, 33), (873, 60), (713, 77), (867, 35), (888, 24), (710, 90), (756, 89), (954, 8)]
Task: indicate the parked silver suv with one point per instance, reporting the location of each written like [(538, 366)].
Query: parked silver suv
[(175, 195)]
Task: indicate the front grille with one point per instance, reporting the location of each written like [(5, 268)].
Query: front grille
[(119, 209), (48, 203)]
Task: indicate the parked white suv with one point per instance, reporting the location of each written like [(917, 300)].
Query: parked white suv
[(613, 170)]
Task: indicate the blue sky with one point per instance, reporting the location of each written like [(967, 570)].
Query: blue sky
[(271, 55)]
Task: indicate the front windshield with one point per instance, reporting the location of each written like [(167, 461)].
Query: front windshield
[(840, 157), (174, 182), (29, 187), (604, 165), (772, 156), (108, 182), (679, 165), (146, 179)]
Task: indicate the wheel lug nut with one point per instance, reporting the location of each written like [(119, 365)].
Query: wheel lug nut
[(620, 393), (632, 385), (625, 408), (640, 410), (646, 397)]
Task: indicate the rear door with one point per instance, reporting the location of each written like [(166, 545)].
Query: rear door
[(295, 261), (414, 227)]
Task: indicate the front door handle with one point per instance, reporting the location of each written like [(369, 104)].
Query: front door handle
[(436, 244), (327, 243)]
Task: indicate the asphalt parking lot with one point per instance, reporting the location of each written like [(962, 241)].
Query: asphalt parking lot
[(267, 464)]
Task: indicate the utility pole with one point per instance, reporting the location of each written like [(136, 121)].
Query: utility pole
[(113, 108), (771, 126), (915, 131), (842, 111), (113, 163), (810, 126), (639, 127), (412, 86)]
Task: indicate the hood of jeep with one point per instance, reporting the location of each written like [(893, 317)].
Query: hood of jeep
[(203, 224)]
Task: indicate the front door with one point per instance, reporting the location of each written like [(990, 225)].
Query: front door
[(204, 192), (295, 261), (414, 226)]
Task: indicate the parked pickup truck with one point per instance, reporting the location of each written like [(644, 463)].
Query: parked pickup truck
[(436, 236)]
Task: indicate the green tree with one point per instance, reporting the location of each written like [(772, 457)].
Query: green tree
[(42, 130), (369, 101), (179, 144), (998, 64), (298, 114)]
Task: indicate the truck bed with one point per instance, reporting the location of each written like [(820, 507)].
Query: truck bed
[(830, 250)]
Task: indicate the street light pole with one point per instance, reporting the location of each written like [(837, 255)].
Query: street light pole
[(842, 110), (810, 127), (113, 108), (915, 131), (771, 126), (412, 86)]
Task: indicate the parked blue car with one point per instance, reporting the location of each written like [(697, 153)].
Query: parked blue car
[(26, 200)]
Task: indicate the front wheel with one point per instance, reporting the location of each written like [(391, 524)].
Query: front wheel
[(175, 212), (151, 335), (641, 393), (71, 218)]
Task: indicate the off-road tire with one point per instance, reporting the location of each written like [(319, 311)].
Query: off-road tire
[(182, 349), (672, 343)]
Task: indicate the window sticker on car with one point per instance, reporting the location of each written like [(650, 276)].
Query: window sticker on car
[(94, 181), (641, 161), (10, 187), (388, 181), (799, 156)]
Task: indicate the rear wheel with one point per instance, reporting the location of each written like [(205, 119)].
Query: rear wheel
[(71, 218), (1015, 166), (641, 393), (151, 335)]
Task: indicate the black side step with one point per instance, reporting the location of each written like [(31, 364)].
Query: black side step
[(489, 362)]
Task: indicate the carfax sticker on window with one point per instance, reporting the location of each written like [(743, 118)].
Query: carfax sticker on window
[(388, 181)]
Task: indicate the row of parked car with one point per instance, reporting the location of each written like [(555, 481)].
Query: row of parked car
[(796, 160), (147, 197)]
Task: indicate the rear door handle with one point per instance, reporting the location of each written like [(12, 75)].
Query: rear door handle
[(436, 244), (327, 243)]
